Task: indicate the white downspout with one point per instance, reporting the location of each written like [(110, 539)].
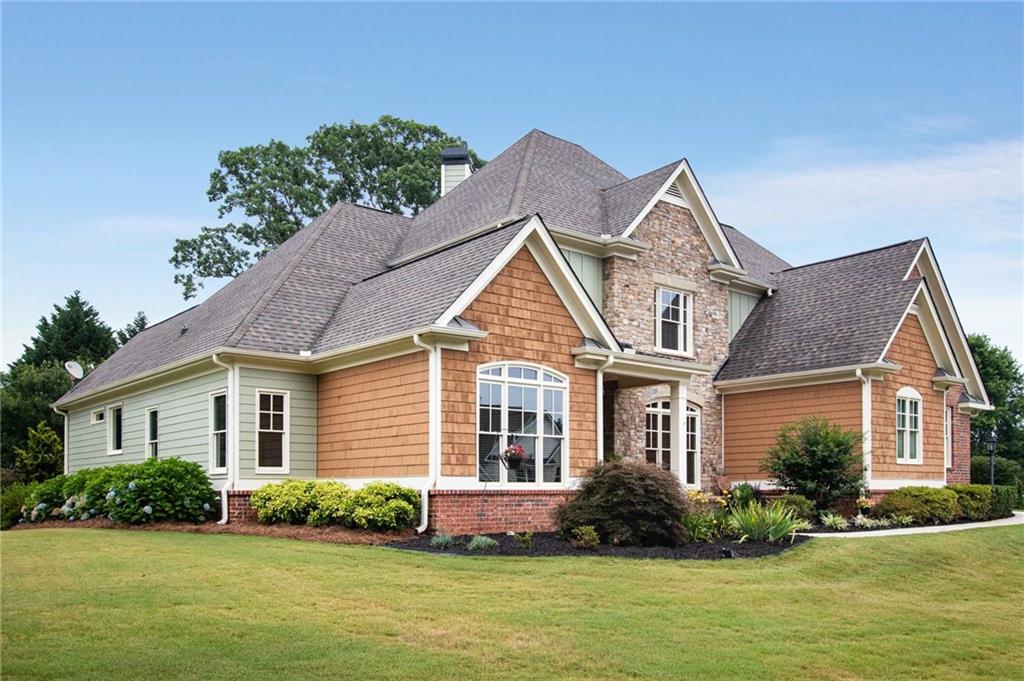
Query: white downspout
[(433, 428), (229, 482), (600, 406), (865, 413), (67, 434)]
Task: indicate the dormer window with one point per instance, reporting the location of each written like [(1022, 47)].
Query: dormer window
[(674, 323)]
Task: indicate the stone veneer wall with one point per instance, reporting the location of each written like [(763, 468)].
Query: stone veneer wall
[(677, 248)]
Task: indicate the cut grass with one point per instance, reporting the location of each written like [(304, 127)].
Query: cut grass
[(102, 603)]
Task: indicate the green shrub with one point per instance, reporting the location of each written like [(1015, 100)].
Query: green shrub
[(901, 520), (627, 503), (818, 460), (442, 541), (704, 525), (525, 540), (331, 504), (585, 538), (1004, 499), (744, 494), (481, 543), (926, 504), (383, 506), (12, 498), (974, 501), (771, 523), (1008, 471), (45, 499), (834, 521), (289, 501), (869, 523), (157, 490), (801, 506)]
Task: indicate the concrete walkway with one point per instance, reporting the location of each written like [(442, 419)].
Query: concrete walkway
[(1017, 519)]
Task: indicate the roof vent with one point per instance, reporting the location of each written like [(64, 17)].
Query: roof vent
[(455, 168), (184, 330)]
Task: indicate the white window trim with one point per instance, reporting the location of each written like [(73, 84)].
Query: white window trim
[(101, 413), (214, 468), (947, 430), (685, 321), (285, 466), (150, 441), (504, 382), (654, 406), (110, 429), (910, 394)]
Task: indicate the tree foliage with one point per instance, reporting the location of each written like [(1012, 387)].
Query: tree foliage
[(1004, 382), (816, 459), (42, 457), (132, 328), (26, 393), (72, 331), (269, 191)]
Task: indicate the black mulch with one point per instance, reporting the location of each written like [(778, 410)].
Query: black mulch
[(550, 544)]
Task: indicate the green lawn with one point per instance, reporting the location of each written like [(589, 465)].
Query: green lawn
[(112, 604)]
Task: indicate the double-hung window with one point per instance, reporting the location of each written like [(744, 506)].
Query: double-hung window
[(522, 405), (115, 429), (218, 432), (674, 323), (908, 426), (152, 434), (658, 441), (271, 431)]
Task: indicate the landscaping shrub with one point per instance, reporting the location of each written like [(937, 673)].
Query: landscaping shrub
[(525, 540), (12, 498), (818, 460), (331, 504), (834, 521), (974, 501), (743, 494), (771, 523), (627, 503), (442, 541), (289, 501), (705, 525), (1004, 499), (926, 504), (383, 506), (869, 523), (47, 497), (901, 520), (157, 490), (1008, 471), (586, 538), (801, 506), (481, 543)]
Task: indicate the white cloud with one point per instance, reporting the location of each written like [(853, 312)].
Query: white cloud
[(936, 124)]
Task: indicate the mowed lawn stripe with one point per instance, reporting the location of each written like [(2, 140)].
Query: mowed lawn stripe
[(123, 604)]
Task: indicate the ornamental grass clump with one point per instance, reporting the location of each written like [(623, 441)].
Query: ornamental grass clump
[(481, 543), (772, 523)]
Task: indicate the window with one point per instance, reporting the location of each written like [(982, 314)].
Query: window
[(674, 328), (152, 419), (949, 437), (115, 429), (524, 405), (658, 431), (908, 426), (272, 431), (218, 432), (97, 416)]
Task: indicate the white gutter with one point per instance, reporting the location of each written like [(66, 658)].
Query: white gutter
[(433, 428), (229, 482), (67, 434), (600, 406)]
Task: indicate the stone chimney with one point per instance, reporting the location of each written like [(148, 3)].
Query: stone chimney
[(455, 167)]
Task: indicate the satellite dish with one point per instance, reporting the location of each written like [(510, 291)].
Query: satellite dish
[(75, 369)]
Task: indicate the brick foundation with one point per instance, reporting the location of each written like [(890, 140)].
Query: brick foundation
[(239, 509), (492, 511)]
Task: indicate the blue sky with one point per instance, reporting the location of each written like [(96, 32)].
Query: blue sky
[(819, 129)]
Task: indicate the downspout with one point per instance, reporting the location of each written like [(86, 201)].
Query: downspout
[(600, 406), (865, 411), (229, 482), (67, 434), (433, 433)]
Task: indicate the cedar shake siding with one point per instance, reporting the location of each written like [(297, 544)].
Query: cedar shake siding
[(753, 419), (525, 320), (911, 352), (373, 419)]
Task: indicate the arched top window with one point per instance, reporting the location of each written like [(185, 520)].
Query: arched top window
[(908, 425), (526, 405), (658, 439)]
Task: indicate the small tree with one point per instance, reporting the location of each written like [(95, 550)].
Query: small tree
[(42, 457), (816, 459)]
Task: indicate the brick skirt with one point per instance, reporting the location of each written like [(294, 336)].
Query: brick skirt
[(492, 511)]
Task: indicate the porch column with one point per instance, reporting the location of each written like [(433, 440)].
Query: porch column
[(677, 403)]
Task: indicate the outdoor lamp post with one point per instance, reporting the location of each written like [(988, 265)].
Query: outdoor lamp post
[(990, 444)]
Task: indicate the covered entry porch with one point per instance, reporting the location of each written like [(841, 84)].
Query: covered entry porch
[(644, 412)]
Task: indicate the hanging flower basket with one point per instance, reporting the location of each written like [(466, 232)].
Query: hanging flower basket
[(513, 457)]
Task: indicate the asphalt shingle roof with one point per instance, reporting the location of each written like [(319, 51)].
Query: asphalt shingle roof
[(828, 314), (760, 263)]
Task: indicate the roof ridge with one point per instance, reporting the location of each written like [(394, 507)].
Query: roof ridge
[(577, 144), (525, 165), (849, 255), (649, 172), (282, 276)]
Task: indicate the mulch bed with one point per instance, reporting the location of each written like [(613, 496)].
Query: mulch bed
[(550, 544), (334, 535), (821, 529)]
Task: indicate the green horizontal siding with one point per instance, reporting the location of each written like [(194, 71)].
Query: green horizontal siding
[(302, 419)]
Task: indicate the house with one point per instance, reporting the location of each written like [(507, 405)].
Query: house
[(545, 300)]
